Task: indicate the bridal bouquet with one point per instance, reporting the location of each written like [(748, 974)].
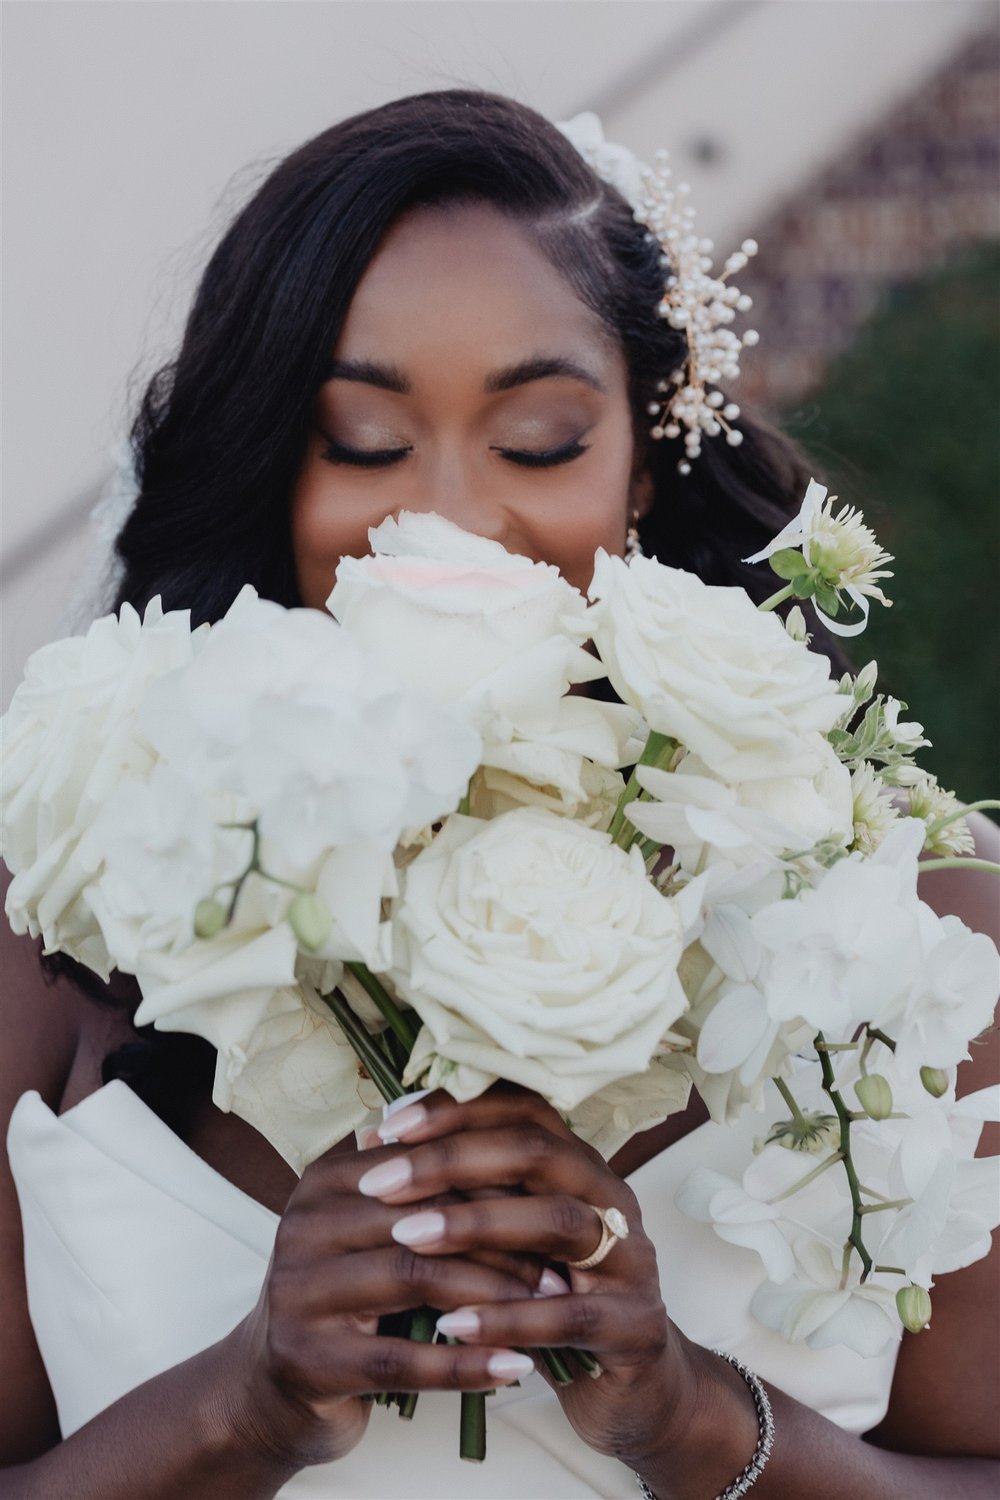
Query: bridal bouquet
[(396, 847)]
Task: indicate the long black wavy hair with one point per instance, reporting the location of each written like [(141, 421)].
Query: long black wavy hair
[(221, 431)]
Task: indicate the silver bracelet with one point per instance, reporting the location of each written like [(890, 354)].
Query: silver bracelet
[(765, 1441)]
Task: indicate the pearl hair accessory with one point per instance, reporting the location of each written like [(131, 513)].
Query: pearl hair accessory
[(694, 300)]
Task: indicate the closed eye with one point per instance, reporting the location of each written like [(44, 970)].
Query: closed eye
[(545, 460), (363, 458)]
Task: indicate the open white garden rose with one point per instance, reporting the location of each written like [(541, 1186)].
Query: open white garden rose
[(460, 619), (706, 667), (70, 736), (534, 950)]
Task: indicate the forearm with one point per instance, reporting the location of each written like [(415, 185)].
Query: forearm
[(811, 1455), (177, 1437)]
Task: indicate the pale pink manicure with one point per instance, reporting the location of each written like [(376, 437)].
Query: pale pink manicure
[(368, 1137), (509, 1366), (551, 1284), (418, 1229), (463, 1323), (387, 1177), (398, 1126)]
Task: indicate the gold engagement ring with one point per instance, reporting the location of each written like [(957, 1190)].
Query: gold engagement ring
[(614, 1227)]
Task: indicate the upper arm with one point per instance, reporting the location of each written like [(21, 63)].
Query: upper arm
[(39, 1028), (943, 1397)]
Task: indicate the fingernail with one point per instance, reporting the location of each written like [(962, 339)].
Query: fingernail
[(387, 1177), (463, 1323), (509, 1366), (418, 1229), (398, 1126), (368, 1137), (551, 1284)]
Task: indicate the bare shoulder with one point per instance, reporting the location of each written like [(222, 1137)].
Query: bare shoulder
[(941, 1397), (40, 1027)]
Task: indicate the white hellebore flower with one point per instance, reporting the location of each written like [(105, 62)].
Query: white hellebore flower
[(707, 668), (840, 550), (534, 950), (467, 623), (70, 738)]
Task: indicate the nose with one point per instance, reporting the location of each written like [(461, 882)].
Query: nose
[(458, 487)]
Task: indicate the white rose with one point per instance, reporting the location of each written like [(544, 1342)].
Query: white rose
[(70, 738), (467, 623), (707, 668), (534, 950)]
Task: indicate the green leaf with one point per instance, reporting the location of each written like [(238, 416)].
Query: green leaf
[(789, 564), (828, 602)]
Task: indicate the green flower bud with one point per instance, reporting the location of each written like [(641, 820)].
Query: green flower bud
[(209, 917), (309, 920), (811, 1133), (935, 1081), (914, 1307), (874, 1096)]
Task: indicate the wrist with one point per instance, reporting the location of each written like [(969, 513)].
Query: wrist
[(710, 1433), (252, 1417)]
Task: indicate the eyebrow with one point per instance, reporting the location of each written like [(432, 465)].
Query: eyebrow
[(539, 367)]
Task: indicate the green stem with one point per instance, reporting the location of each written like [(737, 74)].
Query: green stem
[(879, 1036), (472, 1427), (856, 1237), (375, 1063), (988, 804), (422, 1330), (776, 599), (789, 1099), (890, 1270), (877, 1208), (400, 1023), (657, 751), (958, 863), (556, 1365), (817, 1171)]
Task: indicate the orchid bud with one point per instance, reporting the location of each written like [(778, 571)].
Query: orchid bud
[(209, 917), (914, 1307), (309, 920), (874, 1096), (935, 1081), (795, 624)]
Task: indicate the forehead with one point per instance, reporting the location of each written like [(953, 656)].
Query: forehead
[(466, 280)]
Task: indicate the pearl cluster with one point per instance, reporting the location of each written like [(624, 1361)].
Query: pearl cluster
[(694, 300)]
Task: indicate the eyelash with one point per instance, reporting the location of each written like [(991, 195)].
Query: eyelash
[(383, 458)]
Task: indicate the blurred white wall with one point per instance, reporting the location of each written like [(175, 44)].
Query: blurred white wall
[(131, 130)]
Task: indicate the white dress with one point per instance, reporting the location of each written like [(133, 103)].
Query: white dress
[(138, 1254)]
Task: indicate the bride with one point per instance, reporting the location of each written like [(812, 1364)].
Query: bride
[(434, 306)]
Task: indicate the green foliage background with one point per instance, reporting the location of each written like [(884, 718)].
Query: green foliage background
[(907, 426)]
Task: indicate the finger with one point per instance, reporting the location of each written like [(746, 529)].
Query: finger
[(341, 1361), (526, 1155), (560, 1226), (439, 1114), (395, 1279), (607, 1326)]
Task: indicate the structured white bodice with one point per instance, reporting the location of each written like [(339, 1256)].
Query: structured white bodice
[(138, 1254)]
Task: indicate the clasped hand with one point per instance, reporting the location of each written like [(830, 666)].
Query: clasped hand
[(465, 1214)]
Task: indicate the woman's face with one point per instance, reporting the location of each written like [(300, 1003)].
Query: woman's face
[(468, 379)]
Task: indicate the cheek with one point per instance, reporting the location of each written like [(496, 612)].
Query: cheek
[(326, 525)]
